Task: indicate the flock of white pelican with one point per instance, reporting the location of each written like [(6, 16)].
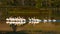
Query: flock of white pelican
[(21, 20)]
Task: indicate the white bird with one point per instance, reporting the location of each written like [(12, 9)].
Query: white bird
[(54, 20), (45, 21), (49, 20)]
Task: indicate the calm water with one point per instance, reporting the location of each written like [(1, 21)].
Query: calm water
[(57, 20), (30, 32)]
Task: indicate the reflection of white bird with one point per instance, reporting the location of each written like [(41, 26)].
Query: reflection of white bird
[(7, 22)]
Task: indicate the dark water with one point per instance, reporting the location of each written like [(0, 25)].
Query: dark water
[(57, 20), (30, 32)]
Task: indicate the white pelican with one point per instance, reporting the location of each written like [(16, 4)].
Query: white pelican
[(45, 21)]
